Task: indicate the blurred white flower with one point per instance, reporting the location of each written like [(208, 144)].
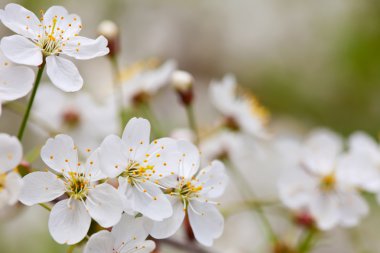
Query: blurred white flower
[(138, 164), (242, 112), (52, 37), (221, 145), (322, 185), (10, 157), (147, 82), (128, 236), (183, 134), (77, 115), (364, 156), (191, 192), (15, 81), (70, 218)]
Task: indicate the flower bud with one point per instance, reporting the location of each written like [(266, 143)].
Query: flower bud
[(182, 82), (110, 30), (304, 219)]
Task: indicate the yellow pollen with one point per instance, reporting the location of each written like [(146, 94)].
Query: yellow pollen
[(328, 182)]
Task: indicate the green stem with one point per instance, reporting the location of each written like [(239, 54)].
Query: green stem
[(192, 122), (19, 109), (31, 100), (45, 206), (249, 194), (71, 248), (156, 128), (306, 244)]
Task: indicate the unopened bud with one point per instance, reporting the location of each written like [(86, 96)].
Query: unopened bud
[(304, 219), (182, 82), (110, 30)]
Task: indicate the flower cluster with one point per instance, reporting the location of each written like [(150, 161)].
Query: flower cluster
[(117, 177), (131, 185), (155, 179)]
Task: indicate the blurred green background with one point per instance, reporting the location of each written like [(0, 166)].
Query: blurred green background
[(315, 62)]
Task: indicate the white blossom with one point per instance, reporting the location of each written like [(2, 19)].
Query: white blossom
[(15, 81), (191, 191), (10, 181), (52, 37), (146, 83), (128, 236), (138, 164), (241, 111), (78, 115), (70, 218), (363, 162), (322, 185)]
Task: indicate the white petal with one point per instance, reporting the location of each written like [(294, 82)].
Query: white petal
[(163, 155), (21, 21), (21, 50), (41, 187), (63, 74), (69, 221), (69, 23), (361, 142), (321, 150), (104, 205), (13, 184), (168, 227), (189, 159), (60, 154), (222, 94), (206, 221), (136, 137), (213, 179), (143, 247), (129, 231), (353, 207), (152, 80), (122, 189), (112, 159), (92, 167), (152, 203), (82, 48), (10, 152), (357, 169), (325, 209), (101, 242), (295, 189), (15, 82)]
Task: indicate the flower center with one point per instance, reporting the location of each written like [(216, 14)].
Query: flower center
[(135, 173), (71, 118), (49, 44), (257, 110), (77, 186), (231, 123), (186, 191), (328, 183)]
